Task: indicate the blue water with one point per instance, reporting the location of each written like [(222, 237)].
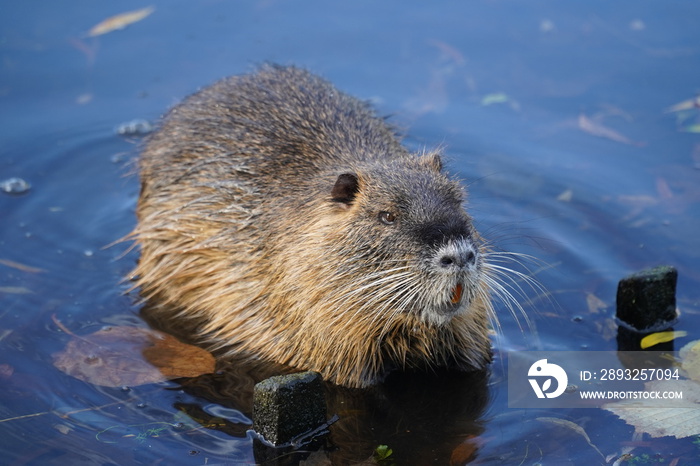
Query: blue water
[(553, 113)]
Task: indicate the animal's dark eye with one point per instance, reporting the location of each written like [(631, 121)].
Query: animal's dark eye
[(387, 218)]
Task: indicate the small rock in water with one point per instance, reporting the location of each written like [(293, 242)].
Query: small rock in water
[(14, 186), (647, 300), (136, 127), (287, 406)]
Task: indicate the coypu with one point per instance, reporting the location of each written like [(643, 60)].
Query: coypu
[(287, 221)]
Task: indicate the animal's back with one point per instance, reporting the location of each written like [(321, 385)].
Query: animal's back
[(281, 121)]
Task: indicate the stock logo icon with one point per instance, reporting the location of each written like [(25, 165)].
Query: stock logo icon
[(543, 371)]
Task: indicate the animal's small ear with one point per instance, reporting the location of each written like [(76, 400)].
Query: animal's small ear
[(432, 160), (345, 189)]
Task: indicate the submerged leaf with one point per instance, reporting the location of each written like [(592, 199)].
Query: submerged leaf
[(466, 451), (663, 189), (6, 371), (120, 21), (660, 337), (136, 432), (655, 417), (119, 356), (595, 304), (572, 427)]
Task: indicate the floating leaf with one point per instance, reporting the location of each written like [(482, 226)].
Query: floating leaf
[(566, 196), (119, 356), (690, 359), (22, 267), (83, 99), (594, 128), (660, 337), (692, 128), (120, 21), (15, 290), (655, 417), (62, 428), (449, 52), (497, 98), (382, 452), (641, 201), (685, 105)]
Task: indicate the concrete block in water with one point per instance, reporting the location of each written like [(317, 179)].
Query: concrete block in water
[(287, 406), (647, 300)]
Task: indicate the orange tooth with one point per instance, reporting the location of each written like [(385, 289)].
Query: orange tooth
[(457, 293)]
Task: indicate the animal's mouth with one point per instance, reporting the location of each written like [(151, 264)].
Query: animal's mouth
[(457, 292), (456, 299), (450, 305)]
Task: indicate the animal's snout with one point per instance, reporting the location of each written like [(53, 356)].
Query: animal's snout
[(456, 255), (458, 259)]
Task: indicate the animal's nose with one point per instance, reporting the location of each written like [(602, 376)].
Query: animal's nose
[(458, 258)]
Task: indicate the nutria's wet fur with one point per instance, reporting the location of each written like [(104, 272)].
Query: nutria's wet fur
[(286, 220)]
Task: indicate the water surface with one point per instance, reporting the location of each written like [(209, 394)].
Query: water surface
[(554, 114)]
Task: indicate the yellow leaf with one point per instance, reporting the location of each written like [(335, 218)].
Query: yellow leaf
[(119, 21), (661, 337)]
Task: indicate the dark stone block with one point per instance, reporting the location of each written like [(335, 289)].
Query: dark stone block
[(646, 300), (288, 406)]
